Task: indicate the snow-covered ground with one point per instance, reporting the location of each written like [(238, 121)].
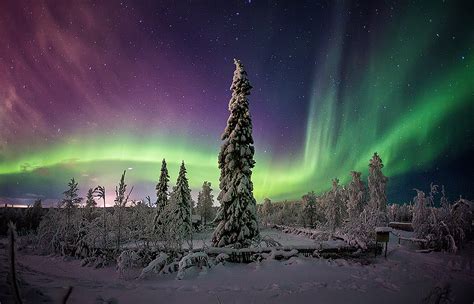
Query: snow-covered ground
[(404, 277), (283, 238)]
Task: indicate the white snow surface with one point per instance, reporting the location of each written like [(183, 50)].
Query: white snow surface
[(383, 229), (404, 277)]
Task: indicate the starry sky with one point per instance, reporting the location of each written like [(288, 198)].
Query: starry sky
[(91, 88)]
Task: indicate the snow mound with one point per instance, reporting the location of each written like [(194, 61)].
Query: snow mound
[(155, 266), (196, 259)]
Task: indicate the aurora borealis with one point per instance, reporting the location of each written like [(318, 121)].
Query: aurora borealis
[(88, 89)]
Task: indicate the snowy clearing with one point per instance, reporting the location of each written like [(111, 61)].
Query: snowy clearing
[(405, 276)]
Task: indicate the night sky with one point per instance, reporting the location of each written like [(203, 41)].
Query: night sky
[(91, 88)]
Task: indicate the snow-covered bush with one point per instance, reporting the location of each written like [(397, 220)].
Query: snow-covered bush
[(58, 231), (276, 254), (222, 258), (195, 259), (445, 228), (170, 268), (462, 213), (360, 231), (80, 238), (128, 261), (265, 241), (155, 266)]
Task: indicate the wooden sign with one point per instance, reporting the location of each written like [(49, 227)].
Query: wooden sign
[(383, 237)]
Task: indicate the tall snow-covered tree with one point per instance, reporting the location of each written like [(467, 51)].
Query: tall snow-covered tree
[(205, 201), (377, 183), (236, 218), (356, 196), (161, 194), (182, 200)]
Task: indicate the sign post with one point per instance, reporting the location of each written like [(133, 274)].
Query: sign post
[(382, 236)]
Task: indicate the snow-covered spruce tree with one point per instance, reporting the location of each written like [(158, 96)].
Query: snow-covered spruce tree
[(205, 201), (182, 200), (377, 183), (161, 196), (236, 218), (71, 200), (90, 204), (356, 196), (90, 201), (309, 209)]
